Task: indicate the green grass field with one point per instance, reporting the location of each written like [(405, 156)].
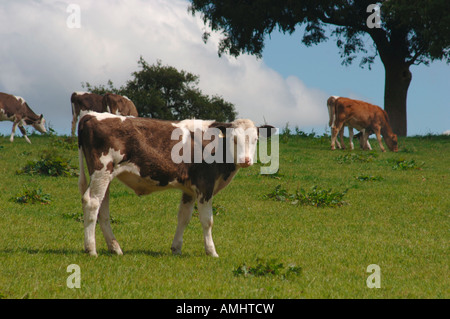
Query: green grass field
[(396, 215)]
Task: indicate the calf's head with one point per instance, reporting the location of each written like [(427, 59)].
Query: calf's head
[(391, 142), (242, 138), (39, 124)]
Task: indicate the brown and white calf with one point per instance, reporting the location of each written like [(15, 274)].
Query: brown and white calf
[(363, 116), (332, 115), (145, 154), (118, 105), (15, 109), (84, 101)]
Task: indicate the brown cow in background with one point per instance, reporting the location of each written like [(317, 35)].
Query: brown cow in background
[(84, 101), (332, 115), (118, 105), (363, 116)]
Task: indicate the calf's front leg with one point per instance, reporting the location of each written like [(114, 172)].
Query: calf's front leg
[(24, 133)]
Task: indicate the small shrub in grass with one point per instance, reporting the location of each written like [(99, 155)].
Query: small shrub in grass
[(50, 164), (368, 178), (271, 267), (301, 133), (285, 134), (280, 194), (31, 196), (320, 197), (403, 164), (64, 142), (315, 197)]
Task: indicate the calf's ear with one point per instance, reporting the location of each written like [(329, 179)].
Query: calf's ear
[(266, 130)]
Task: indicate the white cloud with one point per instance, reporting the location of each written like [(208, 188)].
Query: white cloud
[(44, 61)]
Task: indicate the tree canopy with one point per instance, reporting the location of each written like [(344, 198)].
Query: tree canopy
[(164, 92), (407, 32)]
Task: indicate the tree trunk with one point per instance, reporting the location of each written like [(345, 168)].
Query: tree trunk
[(398, 78)]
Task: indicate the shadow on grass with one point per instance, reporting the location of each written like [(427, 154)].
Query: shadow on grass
[(100, 252), (35, 251)]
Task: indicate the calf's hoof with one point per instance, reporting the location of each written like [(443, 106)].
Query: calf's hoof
[(91, 253), (176, 251), (115, 248)]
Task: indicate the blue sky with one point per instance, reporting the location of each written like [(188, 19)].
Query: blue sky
[(44, 61)]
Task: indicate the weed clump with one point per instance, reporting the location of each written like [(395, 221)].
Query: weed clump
[(31, 196), (368, 178), (356, 158), (403, 164), (50, 164), (315, 197), (264, 268)]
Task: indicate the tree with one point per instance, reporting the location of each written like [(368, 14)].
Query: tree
[(163, 92), (406, 32)]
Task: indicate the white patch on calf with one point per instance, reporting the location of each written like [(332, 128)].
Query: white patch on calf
[(193, 125), (102, 116), (4, 117), (113, 156), (129, 174)]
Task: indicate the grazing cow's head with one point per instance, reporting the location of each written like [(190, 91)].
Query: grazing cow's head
[(38, 124), (391, 142)]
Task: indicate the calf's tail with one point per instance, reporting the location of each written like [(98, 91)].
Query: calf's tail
[(331, 110)]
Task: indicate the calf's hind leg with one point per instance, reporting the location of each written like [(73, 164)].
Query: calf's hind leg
[(184, 216), (92, 200), (105, 225), (334, 133)]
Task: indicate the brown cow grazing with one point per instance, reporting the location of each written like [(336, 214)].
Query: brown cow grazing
[(118, 105), (15, 109), (366, 118), (144, 154), (84, 101), (359, 136)]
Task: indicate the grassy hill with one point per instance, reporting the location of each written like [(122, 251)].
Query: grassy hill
[(309, 231)]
